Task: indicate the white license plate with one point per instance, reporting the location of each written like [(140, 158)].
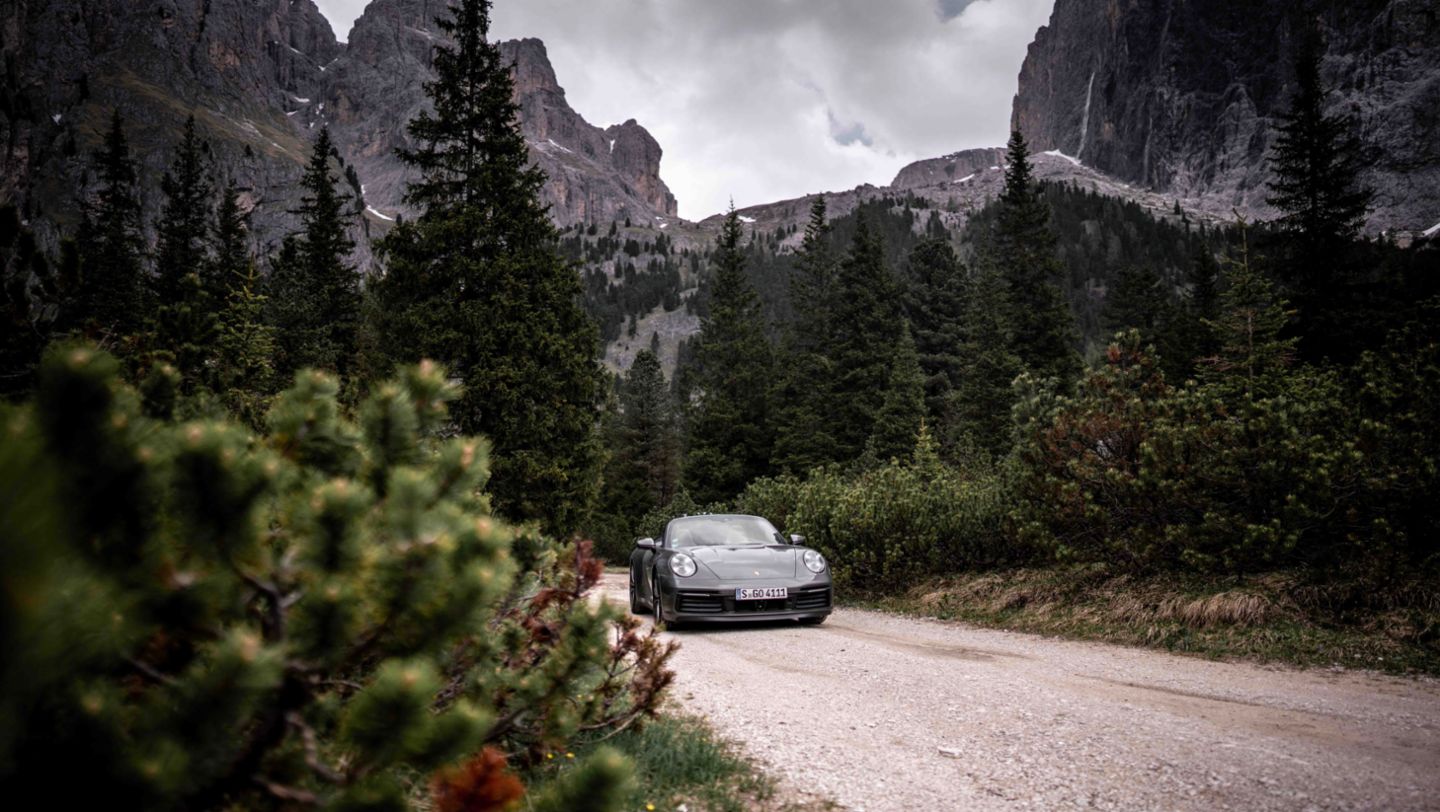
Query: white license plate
[(763, 594)]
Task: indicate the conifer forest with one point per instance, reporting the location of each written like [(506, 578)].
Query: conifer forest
[(320, 522)]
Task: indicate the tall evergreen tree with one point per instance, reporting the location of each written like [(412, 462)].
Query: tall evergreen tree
[(1043, 330), (180, 248), (642, 471), (476, 281), (1253, 351), (730, 436), (245, 344), (978, 415), (113, 299), (803, 438), (1316, 162), (314, 290), (935, 305), (897, 425), (866, 328), (187, 315)]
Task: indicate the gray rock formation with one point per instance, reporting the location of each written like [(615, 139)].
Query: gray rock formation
[(1180, 95), (958, 167), (261, 76)]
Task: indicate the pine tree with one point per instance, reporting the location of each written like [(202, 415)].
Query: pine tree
[(1042, 327), (897, 426), (113, 300), (978, 414), (803, 437), (322, 616), (186, 319), (1316, 163), (643, 468), (476, 281), (314, 291), (935, 305), (245, 345), (25, 276), (1253, 352), (729, 439), (180, 248), (866, 328)]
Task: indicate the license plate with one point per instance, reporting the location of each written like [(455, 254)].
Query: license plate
[(762, 594)]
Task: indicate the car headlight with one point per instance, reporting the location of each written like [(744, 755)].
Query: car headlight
[(814, 561), (682, 565)]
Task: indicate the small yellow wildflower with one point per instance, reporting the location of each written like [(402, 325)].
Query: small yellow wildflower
[(649, 807), (549, 755), (569, 755)]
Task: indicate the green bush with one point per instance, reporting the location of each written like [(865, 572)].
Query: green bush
[(195, 617), (884, 528)]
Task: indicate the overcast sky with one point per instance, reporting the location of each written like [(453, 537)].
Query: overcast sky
[(762, 100)]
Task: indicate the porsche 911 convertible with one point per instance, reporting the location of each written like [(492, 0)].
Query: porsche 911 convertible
[(728, 568)]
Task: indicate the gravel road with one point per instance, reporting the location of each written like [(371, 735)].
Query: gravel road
[(878, 712)]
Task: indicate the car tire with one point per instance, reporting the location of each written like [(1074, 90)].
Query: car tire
[(813, 621), (634, 597)]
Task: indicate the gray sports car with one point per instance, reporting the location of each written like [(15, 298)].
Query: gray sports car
[(728, 568)]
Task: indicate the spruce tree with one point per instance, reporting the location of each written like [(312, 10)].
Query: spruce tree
[(935, 305), (476, 281), (1043, 333), (245, 344), (866, 328), (642, 471), (314, 290), (730, 434), (186, 319), (978, 413), (1316, 163), (1253, 351), (180, 248), (803, 436), (114, 298), (897, 426)]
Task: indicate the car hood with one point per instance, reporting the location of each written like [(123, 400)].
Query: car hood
[(747, 563)]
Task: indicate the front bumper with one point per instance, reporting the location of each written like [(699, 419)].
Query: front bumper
[(715, 603)]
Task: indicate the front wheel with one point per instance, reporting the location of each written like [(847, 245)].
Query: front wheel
[(813, 621)]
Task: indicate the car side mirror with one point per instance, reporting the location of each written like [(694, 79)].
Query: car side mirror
[(797, 539), (645, 544)]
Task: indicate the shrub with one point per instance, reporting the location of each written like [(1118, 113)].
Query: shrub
[(196, 617)]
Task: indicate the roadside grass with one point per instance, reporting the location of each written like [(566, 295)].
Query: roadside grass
[(1269, 619), (681, 763)]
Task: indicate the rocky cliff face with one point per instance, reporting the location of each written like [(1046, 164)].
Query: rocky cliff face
[(261, 76), (1181, 95)]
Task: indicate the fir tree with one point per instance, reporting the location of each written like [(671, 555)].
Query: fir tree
[(476, 281), (113, 301), (314, 291), (180, 248), (643, 469), (897, 426), (978, 413), (186, 320), (1041, 324), (1253, 352), (729, 442), (935, 305), (803, 436), (866, 328), (245, 344), (1316, 163)]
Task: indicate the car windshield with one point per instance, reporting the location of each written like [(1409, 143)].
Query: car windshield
[(721, 531)]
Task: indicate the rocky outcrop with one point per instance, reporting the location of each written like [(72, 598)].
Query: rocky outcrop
[(236, 66), (261, 76), (958, 167), (1181, 95), (375, 87)]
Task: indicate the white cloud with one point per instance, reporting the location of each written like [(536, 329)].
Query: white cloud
[(762, 100)]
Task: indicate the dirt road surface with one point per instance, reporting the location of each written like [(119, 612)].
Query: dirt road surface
[(877, 712)]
